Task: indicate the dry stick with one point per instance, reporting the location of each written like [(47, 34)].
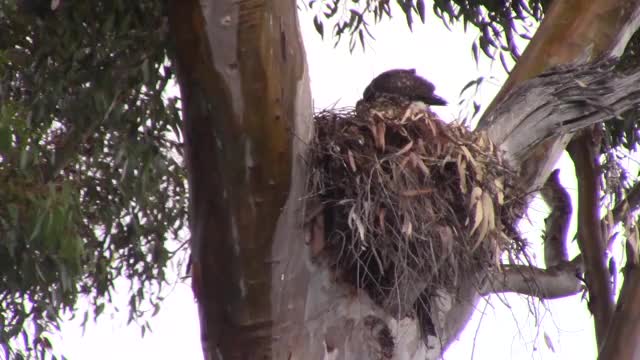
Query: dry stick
[(585, 157)]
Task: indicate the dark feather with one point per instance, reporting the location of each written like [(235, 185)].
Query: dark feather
[(403, 83)]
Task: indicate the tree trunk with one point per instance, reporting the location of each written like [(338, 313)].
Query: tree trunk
[(245, 90)]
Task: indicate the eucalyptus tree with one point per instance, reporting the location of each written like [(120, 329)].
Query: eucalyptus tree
[(94, 188)]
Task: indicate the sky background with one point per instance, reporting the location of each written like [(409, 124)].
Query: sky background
[(508, 328)]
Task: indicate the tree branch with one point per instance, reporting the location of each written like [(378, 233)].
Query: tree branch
[(552, 283), (622, 340), (584, 153), (562, 100), (554, 104), (572, 30), (557, 224)]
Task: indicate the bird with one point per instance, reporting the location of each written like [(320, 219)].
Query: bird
[(403, 84)]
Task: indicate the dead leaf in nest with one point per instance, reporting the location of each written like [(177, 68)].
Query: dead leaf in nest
[(417, 162), (352, 161), (413, 112), (462, 173), (476, 167), (381, 214), (487, 222), (379, 137), (446, 236), (405, 148), (489, 210), (407, 114), (499, 183), (403, 163), (354, 221), (416, 192), (407, 227), (476, 195), (432, 126)]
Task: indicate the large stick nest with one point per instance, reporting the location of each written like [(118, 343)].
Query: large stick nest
[(411, 204)]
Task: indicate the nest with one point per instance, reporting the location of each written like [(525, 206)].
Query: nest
[(411, 205)]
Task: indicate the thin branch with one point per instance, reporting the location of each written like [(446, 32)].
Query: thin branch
[(584, 154), (622, 341), (552, 283), (557, 224), (630, 203)]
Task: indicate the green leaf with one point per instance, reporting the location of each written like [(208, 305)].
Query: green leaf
[(98, 310), (24, 159), (37, 229), (145, 70), (319, 26), (14, 213), (5, 139), (420, 8)]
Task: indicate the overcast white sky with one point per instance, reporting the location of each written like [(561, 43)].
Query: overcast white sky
[(506, 332)]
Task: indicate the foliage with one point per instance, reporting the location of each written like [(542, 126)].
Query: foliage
[(621, 136), (500, 22), (91, 182)]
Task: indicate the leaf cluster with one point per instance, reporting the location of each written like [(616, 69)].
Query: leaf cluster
[(91, 183), (620, 137), (500, 22)]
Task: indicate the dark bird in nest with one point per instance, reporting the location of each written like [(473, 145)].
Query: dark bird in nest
[(403, 84)]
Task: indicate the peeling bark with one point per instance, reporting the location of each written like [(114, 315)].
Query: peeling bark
[(572, 31), (554, 106)]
